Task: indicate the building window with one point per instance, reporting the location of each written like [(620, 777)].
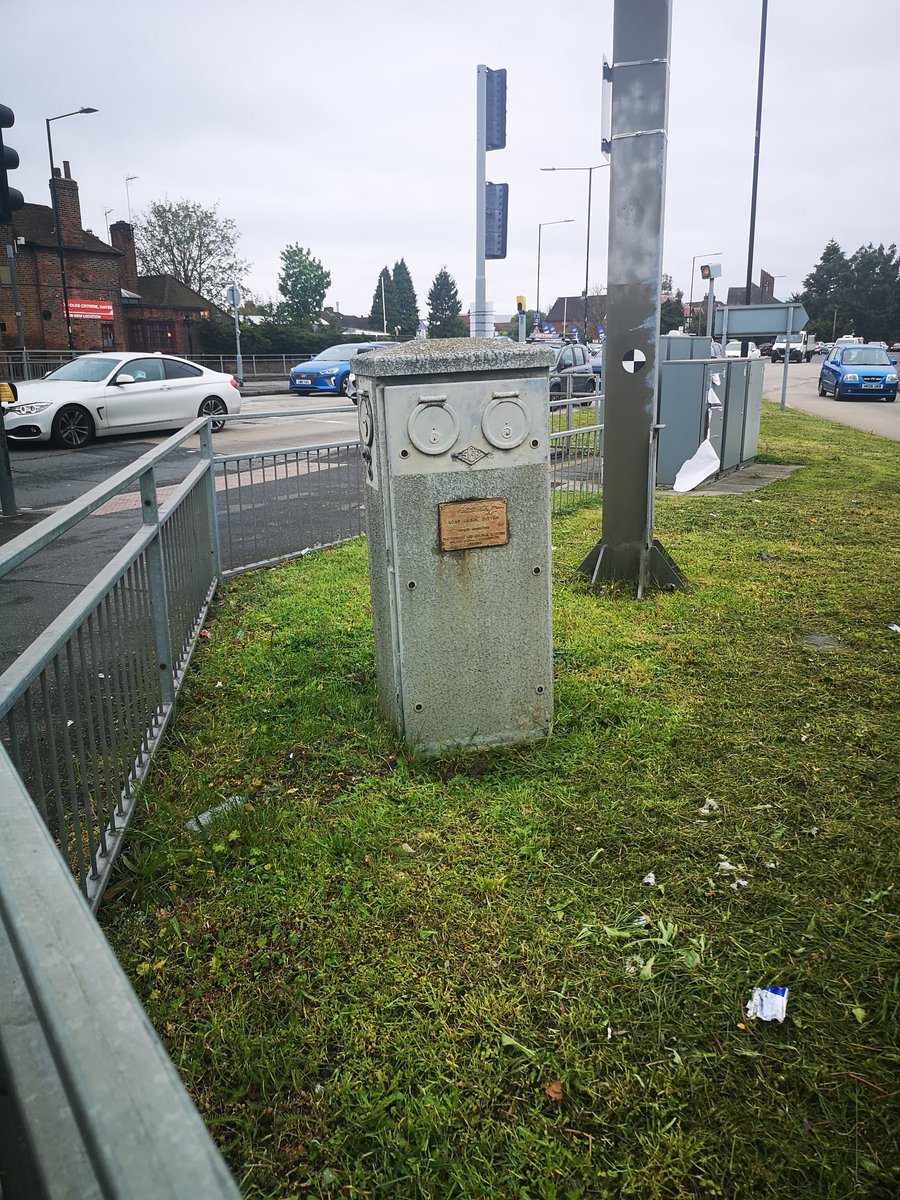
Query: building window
[(159, 335), (107, 338)]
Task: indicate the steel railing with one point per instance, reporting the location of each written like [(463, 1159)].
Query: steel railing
[(17, 365)]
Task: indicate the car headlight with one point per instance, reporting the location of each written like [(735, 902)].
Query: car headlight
[(329, 371), (26, 410), (850, 377), (891, 377)]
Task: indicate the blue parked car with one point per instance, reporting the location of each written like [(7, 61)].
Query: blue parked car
[(858, 371), (330, 369)]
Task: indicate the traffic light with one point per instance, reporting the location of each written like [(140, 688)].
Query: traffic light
[(710, 270), (10, 198)]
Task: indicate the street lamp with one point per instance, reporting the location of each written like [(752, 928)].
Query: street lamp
[(59, 246), (709, 254), (541, 224), (128, 179), (587, 249)]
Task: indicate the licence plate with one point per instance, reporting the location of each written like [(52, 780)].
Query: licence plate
[(876, 386)]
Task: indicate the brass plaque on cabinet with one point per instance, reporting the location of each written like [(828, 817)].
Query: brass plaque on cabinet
[(471, 524)]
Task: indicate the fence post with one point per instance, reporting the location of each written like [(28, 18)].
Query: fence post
[(159, 600), (206, 449)]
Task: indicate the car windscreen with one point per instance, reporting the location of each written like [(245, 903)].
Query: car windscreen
[(865, 356), (85, 370), (336, 354)]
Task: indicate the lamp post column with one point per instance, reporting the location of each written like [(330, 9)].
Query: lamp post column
[(60, 253)]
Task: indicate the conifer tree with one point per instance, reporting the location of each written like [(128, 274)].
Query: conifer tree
[(405, 296), (444, 308), (383, 320)]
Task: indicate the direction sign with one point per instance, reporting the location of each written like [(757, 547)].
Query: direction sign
[(759, 320)]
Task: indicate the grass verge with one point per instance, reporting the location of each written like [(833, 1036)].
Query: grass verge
[(392, 978)]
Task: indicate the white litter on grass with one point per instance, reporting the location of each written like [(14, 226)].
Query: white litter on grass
[(197, 823), (219, 683), (633, 964), (771, 865), (709, 807), (738, 883), (768, 1004), (894, 628), (727, 868), (649, 879), (641, 921)]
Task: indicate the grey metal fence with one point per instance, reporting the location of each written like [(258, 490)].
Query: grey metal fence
[(17, 365), (272, 506), (576, 451), (83, 709)]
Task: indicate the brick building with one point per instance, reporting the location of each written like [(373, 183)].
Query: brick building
[(111, 306)]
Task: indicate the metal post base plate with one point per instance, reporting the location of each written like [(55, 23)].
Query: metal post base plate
[(649, 566)]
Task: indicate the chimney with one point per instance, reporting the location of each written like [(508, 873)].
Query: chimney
[(122, 237), (68, 206)]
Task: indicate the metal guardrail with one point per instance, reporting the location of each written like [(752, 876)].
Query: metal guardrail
[(86, 705), (90, 1103), (81, 713), (17, 365)]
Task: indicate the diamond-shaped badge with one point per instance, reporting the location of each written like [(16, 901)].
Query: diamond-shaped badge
[(470, 456)]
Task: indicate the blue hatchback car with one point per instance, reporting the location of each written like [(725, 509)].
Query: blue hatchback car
[(863, 371), (329, 370)]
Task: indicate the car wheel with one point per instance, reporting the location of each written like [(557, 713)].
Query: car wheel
[(342, 390), (837, 391), (212, 406), (822, 391), (73, 427)]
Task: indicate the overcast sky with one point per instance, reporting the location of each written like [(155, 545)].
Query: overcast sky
[(349, 127)]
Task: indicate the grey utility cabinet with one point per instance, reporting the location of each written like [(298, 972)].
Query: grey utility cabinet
[(455, 437)]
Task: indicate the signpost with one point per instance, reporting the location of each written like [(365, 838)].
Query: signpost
[(233, 297)]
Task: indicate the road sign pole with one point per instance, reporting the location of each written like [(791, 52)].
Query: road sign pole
[(789, 318), (476, 323)]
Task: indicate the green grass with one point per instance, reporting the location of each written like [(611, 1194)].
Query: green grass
[(394, 978)]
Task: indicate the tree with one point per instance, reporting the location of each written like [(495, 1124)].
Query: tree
[(671, 312), (303, 282), (192, 243), (826, 290), (444, 308), (407, 316), (859, 294), (874, 292), (384, 318)]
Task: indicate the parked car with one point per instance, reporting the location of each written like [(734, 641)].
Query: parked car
[(765, 349), (856, 370), (733, 350), (96, 395), (329, 370), (573, 361)]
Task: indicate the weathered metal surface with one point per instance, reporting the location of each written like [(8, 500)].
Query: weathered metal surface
[(461, 608), (627, 550), (473, 524)]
